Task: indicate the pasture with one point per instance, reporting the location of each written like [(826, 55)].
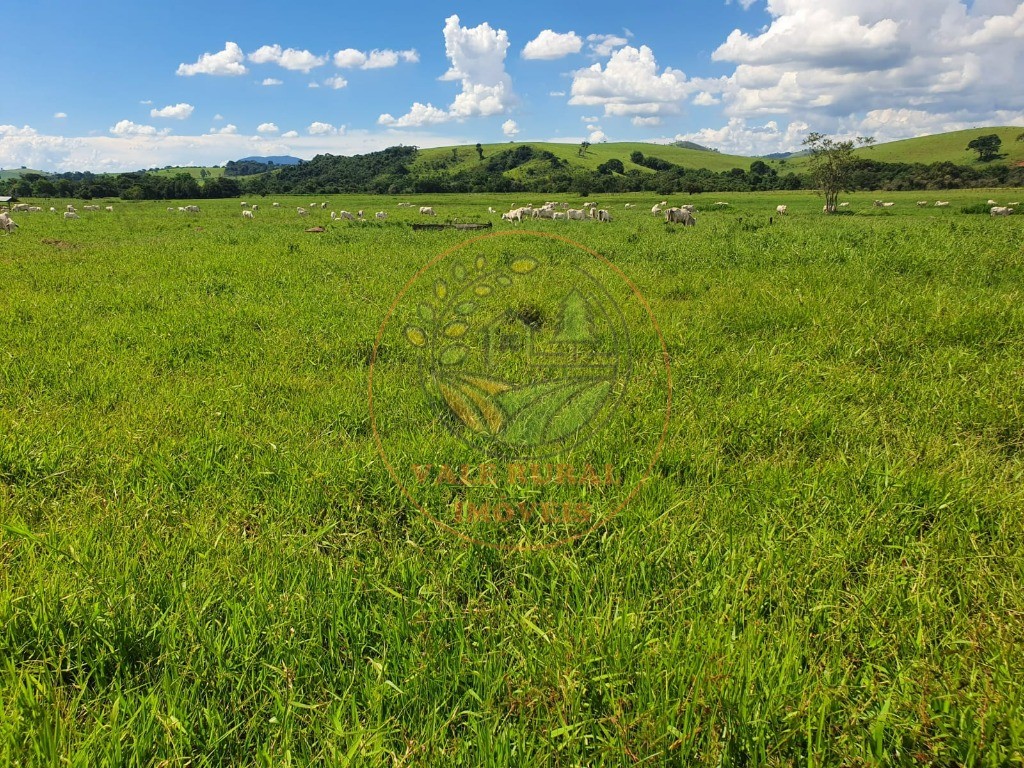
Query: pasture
[(204, 562)]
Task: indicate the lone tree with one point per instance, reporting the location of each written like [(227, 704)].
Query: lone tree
[(987, 147), (584, 146), (480, 150), (832, 164)]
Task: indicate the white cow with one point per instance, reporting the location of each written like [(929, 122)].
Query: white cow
[(1001, 210), (575, 214), (781, 209), (346, 215), (323, 205), (426, 210), (922, 203), (70, 215), (255, 206), (301, 211), (380, 215), (679, 216), (108, 209), (942, 203), (628, 205), (656, 209), (244, 204), (991, 202), (559, 216), (490, 209), (248, 215), (7, 224), (603, 215), (275, 205), (70, 208), (888, 205)]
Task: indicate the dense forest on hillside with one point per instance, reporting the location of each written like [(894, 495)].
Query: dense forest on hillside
[(521, 168)]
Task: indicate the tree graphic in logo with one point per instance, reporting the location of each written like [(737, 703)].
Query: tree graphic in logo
[(522, 374)]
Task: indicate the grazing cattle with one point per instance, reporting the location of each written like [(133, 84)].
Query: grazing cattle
[(248, 215), (346, 215), (888, 205), (37, 209), (721, 203), (69, 208), (426, 210), (108, 209), (490, 209), (52, 209), (679, 216), (323, 205), (301, 211), (380, 215), (359, 215), (825, 209), (628, 205), (1013, 205), (656, 209), (942, 203), (603, 215), (1001, 210), (244, 204), (689, 207), (275, 205), (191, 209), (922, 203), (559, 216), (590, 205), (255, 206), (23, 207), (991, 202), (170, 209), (781, 209), (575, 214), (90, 207), (70, 215), (7, 224)]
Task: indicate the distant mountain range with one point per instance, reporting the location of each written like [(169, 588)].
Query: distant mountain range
[(275, 159)]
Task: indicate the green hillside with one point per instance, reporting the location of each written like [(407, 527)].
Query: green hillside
[(193, 171), (595, 155), (939, 148), (17, 173)]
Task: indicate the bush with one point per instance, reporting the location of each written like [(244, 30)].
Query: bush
[(976, 208)]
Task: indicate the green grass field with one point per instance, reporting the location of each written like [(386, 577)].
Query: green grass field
[(213, 172), (205, 562)]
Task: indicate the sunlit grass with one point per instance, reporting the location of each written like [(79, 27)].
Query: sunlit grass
[(204, 561)]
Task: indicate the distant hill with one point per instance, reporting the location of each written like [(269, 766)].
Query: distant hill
[(275, 159), (692, 145)]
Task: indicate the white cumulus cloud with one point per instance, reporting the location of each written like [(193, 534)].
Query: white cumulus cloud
[(177, 111), (290, 135), (510, 128), (267, 128), (227, 130), (226, 62), (128, 128), (603, 45), (271, 81), (337, 82), (644, 121), (552, 45), (378, 58), (477, 56), (288, 58), (323, 129), (629, 84), (60, 115)]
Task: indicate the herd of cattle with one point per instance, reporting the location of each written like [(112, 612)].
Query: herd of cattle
[(556, 211)]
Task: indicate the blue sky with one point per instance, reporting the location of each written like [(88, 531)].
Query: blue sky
[(111, 85)]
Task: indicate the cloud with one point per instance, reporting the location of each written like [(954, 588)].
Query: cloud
[(271, 81), (556, 94), (128, 128), (705, 99), (180, 111), (60, 115), (745, 3), (378, 58), (826, 61), (510, 128), (589, 118), (552, 45), (603, 45), (289, 58), (226, 62), (290, 135), (477, 57), (218, 116), (314, 85), (25, 130), (147, 102), (323, 129), (227, 130), (596, 135), (644, 121), (118, 153), (267, 128), (417, 116), (629, 84), (337, 82)]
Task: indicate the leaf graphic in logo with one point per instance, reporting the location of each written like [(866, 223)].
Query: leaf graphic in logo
[(416, 336), (524, 265), (441, 289), (454, 354), (473, 407), (548, 411)]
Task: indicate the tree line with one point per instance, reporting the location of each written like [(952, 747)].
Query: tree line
[(521, 168)]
